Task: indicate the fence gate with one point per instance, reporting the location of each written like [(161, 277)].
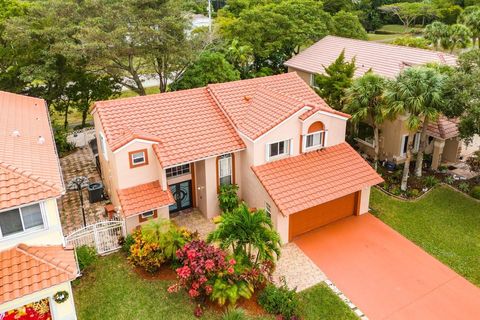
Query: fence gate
[(104, 236)]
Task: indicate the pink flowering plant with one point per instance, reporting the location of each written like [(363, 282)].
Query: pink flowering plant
[(207, 272)]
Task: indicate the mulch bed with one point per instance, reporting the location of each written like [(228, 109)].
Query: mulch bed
[(165, 273)]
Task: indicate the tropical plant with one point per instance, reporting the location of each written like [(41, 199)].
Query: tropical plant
[(249, 234), (228, 197), (126, 243), (86, 255), (475, 192), (234, 314), (431, 181), (415, 42), (417, 92), (364, 102), (459, 37), (464, 187), (471, 18), (435, 32), (449, 179), (337, 78), (241, 57), (280, 300)]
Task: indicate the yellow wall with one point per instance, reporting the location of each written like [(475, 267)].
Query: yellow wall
[(52, 235), (60, 311), (306, 76)]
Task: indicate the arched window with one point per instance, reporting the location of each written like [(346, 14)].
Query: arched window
[(315, 137)]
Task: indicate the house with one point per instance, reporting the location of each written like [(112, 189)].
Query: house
[(274, 137), (388, 61), (35, 266)]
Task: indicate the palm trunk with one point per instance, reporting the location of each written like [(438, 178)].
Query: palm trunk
[(406, 168), (421, 149), (65, 117), (377, 147)]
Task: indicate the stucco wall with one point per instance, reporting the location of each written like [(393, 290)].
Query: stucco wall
[(364, 200), (132, 222), (306, 76), (334, 126), (450, 151), (60, 311), (51, 235)]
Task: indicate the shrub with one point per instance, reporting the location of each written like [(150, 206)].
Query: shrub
[(475, 192), (86, 255), (156, 243), (206, 271), (60, 136), (431, 181), (279, 300), (413, 193), (464, 187), (448, 179), (126, 243), (414, 42), (234, 314), (396, 191), (228, 197)]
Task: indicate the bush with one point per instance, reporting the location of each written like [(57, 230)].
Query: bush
[(464, 187), (86, 255), (475, 192), (156, 243), (448, 180), (413, 193), (414, 42), (234, 314), (279, 300), (60, 136), (396, 191), (431, 181), (126, 243), (228, 197)]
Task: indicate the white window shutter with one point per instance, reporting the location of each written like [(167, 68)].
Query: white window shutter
[(326, 139), (290, 142), (267, 154)]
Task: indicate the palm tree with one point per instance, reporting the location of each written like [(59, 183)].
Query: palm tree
[(435, 32), (417, 93), (247, 233), (460, 36), (364, 101)]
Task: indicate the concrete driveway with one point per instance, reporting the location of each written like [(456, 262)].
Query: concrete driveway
[(386, 275)]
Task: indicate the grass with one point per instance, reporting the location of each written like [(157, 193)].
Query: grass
[(383, 37), (445, 223), (398, 29), (110, 290)]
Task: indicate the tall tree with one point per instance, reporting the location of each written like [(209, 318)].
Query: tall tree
[(416, 93), (406, 12), (435, 32), (336, 79), (471, 18), (347, 24), (364, 100), (240, 56), (460, 36)]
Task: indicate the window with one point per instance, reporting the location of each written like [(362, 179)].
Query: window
[(279, 148), (148, 214), (103, 145), (23, 219), (152, 214), (365, 133), (225, 172), (314, 139), (178, 170), (138, 158), (416, 143), (268, 210)]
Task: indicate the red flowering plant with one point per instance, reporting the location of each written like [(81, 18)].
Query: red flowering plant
[(207, 271)]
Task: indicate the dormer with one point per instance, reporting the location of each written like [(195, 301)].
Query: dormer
[(321, 129)]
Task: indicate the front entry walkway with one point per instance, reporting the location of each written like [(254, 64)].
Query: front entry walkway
[(386, 275), (299, 271)]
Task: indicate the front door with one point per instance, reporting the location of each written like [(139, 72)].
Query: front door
[(182, 194)]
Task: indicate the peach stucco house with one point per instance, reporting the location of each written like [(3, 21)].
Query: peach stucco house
[(388, 61), (273, 136), (34, 262)]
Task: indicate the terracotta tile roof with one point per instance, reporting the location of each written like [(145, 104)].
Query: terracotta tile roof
[(313, 178), (27, 152), (384, 59), (188, 124), (443, 128), (257, 105), (25, 269), (144, 197)]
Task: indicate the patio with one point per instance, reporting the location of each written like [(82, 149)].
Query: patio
[(79, 163), (299, 271)]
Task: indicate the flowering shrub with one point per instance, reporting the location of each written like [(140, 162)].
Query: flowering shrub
[(157, 243), (206, 271)]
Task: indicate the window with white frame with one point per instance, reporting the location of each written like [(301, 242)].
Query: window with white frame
[(225, 172), (268, 209), (178, 170), (279, 148), (315, 139), (138, 158), (28, 218), (416, 143), (103, 145)]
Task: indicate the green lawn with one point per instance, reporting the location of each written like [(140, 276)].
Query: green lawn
[(445, 223), (111, 290), (387, 38), (397, 28)]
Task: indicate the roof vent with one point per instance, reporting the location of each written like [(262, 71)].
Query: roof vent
[(41, 140), (16, 133), (247, 98)]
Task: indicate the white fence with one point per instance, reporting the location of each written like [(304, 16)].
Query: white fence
[(104, 236), (81, 138)]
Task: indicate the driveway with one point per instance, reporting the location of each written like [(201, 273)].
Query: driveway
[(386, 275)]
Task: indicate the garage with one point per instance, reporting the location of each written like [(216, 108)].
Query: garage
[(323, 214)]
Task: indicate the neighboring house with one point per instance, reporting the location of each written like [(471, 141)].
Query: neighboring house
[(274, 137), (34, 263), (388, 61)]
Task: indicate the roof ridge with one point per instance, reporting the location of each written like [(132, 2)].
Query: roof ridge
[(23, 248), (28, 175)]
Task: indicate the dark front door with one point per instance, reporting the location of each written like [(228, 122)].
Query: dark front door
[(182, 193)]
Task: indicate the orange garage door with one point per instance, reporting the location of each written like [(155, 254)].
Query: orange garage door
[(323, 214)]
